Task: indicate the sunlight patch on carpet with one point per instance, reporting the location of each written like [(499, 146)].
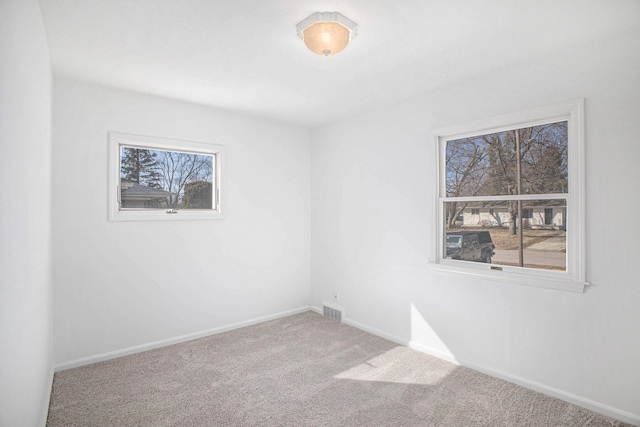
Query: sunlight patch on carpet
[(396, 366)]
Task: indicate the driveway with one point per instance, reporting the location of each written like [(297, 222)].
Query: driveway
[(554, 243)]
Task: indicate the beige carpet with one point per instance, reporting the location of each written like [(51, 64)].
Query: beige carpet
[(302, 370)]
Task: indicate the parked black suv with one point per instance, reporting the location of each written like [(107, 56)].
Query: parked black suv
[(470, 246)]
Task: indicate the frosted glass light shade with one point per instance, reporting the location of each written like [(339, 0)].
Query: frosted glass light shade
[(326, 33), (326, 38)]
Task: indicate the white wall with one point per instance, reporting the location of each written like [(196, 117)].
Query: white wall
[(124, 284), (371, 214), (26, 368)]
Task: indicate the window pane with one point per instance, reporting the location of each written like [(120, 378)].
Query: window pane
[(481, 165), (486, 165), (159, 179), (496, 224), (544, 159)]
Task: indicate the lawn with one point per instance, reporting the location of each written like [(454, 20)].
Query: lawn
[(504, 241)]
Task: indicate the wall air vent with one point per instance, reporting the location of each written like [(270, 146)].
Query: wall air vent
[(332, 313)]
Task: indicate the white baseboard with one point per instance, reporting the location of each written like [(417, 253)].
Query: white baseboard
[(176, 340), (366, 328), (435, 352), (375, 332), (592, 405), (621, 415)]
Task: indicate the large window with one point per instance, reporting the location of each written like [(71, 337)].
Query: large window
[(510, 198), (161, 179)]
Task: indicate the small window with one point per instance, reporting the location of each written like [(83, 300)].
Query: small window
[(161, 179), (519, 181)]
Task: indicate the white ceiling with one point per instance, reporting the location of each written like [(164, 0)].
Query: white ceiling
[(244, 55)]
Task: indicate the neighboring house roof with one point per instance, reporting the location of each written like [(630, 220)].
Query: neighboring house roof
[(528, 204), (133, 191)]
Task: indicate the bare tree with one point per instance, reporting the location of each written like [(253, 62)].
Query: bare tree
[(544, 159), (487, 165), (465, 173), (179, 169)]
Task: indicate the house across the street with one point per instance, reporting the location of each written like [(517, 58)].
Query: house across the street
[(536, 217), (133, 195)]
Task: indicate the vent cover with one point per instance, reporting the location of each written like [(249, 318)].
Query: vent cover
[(332, 313)]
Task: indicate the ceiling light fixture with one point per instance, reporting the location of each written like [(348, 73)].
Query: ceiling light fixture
[(327, 33)]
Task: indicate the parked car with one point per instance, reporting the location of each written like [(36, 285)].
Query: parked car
[(470, 246)]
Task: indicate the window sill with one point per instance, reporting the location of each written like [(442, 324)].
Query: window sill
[(162, 215), (557, 281)]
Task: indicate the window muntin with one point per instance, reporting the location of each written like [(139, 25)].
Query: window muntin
[(520, 173), (161, 179)]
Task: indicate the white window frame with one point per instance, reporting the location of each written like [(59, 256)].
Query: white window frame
[(573, 279), (117, 140)]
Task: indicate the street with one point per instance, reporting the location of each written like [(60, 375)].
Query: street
[(532, 257), (548, 253)]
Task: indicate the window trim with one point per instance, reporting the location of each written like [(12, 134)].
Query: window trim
[(573, 279), (116, 140)]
